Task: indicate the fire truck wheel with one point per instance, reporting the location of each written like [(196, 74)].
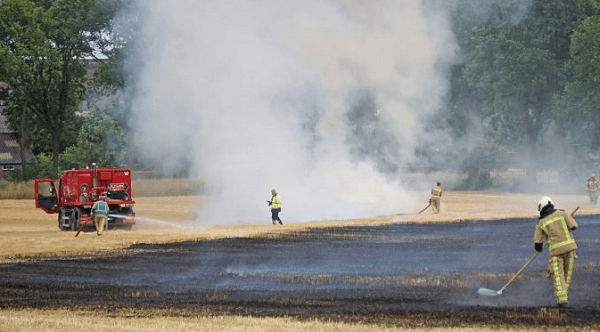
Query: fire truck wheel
[(60, 215), (74, 219)]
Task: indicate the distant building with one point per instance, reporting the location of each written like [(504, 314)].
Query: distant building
[(10, 153)]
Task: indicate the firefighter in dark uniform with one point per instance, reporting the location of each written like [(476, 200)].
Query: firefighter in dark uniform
[(100, 213), (556, 226), (592, 189), (436, 197), (275, 204)]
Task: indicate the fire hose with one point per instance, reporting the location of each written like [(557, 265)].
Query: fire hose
[(110, 215), (83, 225)]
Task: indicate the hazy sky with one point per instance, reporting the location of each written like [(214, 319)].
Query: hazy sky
[(256, 95)]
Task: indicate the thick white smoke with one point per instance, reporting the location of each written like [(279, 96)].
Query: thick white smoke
[(254, 95)]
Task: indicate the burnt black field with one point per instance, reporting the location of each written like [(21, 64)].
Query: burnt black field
[(402, 274)]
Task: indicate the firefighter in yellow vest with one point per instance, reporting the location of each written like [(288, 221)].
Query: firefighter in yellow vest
[(592, 189), (557, 227), (436, 196), (275, 204), (100, 213)]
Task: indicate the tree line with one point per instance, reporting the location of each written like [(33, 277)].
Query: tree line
[(529, 76), (44, 46)]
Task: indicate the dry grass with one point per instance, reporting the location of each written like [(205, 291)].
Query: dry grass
[(444, 280), (69, 321), (16, 190), (165, 187), (29, 232), (140, 188)]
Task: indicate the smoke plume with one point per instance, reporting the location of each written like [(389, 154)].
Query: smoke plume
[(322, 100)]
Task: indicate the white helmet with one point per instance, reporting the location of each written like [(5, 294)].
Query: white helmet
[(543, 202)]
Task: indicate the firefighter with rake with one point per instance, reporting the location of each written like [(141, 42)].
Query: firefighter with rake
[(592, 189), (556, 226)]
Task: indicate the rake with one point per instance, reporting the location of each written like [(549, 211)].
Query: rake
[(490, 292)]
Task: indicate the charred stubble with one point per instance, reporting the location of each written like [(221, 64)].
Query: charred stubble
[(411, 300)]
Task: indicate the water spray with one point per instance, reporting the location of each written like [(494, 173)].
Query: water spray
[(148, 220), (119, 216)]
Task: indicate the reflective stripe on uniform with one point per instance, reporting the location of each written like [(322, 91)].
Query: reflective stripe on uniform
[(101, 208), (559, 290), (570, 269), (563, 221)]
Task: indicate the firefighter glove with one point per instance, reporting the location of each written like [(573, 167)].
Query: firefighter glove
[(269, 203), (538, 247)]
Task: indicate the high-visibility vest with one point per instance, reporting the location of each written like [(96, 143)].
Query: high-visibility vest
[(100, 207), (275, 202), (556, 227)]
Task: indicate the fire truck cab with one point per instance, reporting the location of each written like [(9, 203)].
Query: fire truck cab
[(79, 189)]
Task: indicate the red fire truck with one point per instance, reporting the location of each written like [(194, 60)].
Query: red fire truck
[(78, 189)]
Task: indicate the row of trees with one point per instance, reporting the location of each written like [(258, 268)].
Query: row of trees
[(530, 75), (43, 48), (530, 71)]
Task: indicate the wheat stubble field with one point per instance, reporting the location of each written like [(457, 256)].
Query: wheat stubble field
[(29, 237)]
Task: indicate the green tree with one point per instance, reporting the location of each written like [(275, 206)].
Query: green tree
[(13, 68), (42, 43), (579, 106), (585, 47), (519, 68), (111, 80), (101, 138), (516, 83), (550, 23)]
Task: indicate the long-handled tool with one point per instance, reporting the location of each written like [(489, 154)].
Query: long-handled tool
[(428, 205), (490, 292)]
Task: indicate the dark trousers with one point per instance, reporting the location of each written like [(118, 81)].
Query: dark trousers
[(275, 215)]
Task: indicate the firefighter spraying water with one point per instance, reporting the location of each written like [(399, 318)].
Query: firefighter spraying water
[(79, 189)]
